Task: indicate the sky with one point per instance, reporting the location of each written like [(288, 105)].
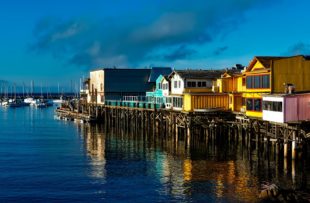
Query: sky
[(58, 41)]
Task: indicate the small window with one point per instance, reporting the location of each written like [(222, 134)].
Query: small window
[(265, 81), (101, 87), (243, 81), (257, 104), (175, 84), (179, 84), (199, 84), (249, 82), (189, 84), (249, 104), (193, 84), (203, 84), (256, 81)]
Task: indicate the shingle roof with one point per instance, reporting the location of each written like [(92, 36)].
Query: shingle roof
[(200, 74), (233, 71), (266, 60), (157, 71)]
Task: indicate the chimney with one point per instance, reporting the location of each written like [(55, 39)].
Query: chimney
[(289, 88)]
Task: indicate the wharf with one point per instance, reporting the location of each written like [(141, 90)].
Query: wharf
[(287, 140), (67, 114)]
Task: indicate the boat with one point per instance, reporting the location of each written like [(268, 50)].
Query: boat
[(59, 101), (42, 103), (29, 100), (15, 103)]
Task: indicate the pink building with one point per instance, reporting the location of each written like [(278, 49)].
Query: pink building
[(285, 108)]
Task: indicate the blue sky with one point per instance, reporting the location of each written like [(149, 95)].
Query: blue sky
[(56, 41)]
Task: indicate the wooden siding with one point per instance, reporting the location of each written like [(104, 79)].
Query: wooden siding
[(207, 101), (294, 70)]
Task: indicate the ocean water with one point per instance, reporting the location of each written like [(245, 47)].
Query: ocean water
[(43, 159)]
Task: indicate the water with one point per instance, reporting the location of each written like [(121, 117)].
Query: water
[(43, 160)]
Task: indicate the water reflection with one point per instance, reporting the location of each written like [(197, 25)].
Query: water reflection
[(94, 140), (209, 171)]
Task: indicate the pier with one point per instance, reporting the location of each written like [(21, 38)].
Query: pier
[(283, 140)]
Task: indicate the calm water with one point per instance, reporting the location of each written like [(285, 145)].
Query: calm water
[(43, 160)]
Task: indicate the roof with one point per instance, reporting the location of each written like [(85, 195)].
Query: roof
[(199, 74), (166, 77), (157, 71), (232, 72), (127, 80), (286, 95), (264, 60)]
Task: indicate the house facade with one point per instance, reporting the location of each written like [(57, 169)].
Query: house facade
[(285, 108), (270, 75), (188, 87), (115, 84)]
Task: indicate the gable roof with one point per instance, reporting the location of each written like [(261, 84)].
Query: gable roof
[(231, 72), (198, 74), (157, 71), (264, 60)]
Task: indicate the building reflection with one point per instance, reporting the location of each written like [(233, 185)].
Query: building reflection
[(227, 178), (234, 174), (94, 140)]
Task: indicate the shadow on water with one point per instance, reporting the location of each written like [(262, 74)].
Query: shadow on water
[(207, 170)]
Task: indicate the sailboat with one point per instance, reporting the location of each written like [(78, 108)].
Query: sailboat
[(29, 99), (42, 103), (60, 100), (14, 103)]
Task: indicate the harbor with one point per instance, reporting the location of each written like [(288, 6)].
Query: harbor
[(155, 101), (109, 162)]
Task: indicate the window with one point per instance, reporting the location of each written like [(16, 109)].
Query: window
[(266, 81), (191, 84), (253, 104), (178, 102), (243, 101), (249, 82), (175, 84), (272, 106), (257, 104), (267, 105), (199, 84), (249, 104), (179, 84), (203, 84), (101, 87), (102, 98), (258, 81)]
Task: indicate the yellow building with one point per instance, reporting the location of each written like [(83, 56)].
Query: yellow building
[(205, 101), (264, 75), (232, 83), (257, 82)]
